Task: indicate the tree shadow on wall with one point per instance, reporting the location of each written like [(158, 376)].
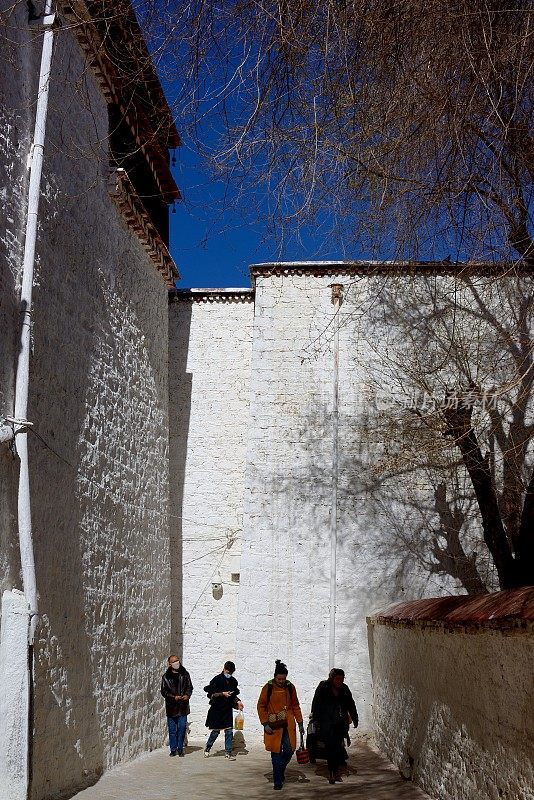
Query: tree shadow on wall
[(450, 391), (405, 496)]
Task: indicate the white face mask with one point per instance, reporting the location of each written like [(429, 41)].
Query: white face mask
[(175, 665), (227, 674)]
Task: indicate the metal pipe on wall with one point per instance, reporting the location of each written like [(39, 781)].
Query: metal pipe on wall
[(337, 299), (23, 361)]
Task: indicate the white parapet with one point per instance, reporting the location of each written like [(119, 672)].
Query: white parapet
[(14, 696)]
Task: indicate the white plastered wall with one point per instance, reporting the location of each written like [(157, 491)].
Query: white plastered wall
[(210, 351), (284, 600), (99, 471), (14, 697), (453, 708)]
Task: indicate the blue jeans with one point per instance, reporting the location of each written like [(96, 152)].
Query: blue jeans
[(177, 727), (228, 739), (281, 760)]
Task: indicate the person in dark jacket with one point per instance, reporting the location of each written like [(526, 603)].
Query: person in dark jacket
[(223, 694), (332, 709), (176, 688)]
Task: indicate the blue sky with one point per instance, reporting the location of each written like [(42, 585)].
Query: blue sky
[(211, 244), (215, 236), (217, 231)]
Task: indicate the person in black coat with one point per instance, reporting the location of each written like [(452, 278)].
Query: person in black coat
[(332, 709), (223, 694), (176, 688)]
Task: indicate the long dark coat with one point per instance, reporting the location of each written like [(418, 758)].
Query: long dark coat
[(329, 711), (176, 682), (220, 711)]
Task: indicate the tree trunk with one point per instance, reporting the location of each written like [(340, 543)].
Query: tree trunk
[(525, 540), (478, 467)]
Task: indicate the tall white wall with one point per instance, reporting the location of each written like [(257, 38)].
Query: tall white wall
[(99, 464), (209, 356), (284, 601)]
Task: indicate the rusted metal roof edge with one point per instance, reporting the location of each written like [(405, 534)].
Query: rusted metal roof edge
[(511, 609)]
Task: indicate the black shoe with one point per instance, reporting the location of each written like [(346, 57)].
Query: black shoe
[(172, 753), (277, 786), (181, 753)]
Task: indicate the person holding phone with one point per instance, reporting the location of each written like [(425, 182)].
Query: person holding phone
[(223, 695)]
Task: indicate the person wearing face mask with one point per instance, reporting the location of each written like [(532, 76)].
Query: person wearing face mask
[(223, 694), (176, 688), (279, 710)]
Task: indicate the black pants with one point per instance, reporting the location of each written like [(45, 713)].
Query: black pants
[(335, 753)]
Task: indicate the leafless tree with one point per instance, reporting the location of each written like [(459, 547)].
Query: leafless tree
[(408, 121), (411, 123)]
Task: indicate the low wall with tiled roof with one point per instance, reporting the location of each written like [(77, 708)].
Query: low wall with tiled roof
[(453, 693)]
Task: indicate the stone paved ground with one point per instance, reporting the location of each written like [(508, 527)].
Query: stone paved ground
[(368, 776)]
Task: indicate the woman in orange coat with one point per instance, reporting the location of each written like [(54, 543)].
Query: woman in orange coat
[(279, 710)]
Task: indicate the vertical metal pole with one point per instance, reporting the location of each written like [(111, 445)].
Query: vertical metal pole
[(23, 363), (337, 299)]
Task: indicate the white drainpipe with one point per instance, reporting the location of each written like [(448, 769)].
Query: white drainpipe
[(19, 419), (337, 299)]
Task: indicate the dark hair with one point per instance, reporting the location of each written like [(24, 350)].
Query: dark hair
[(230, 666), (334, 673), (280, 669)]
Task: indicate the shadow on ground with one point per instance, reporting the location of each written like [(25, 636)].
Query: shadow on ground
[(367, 776)]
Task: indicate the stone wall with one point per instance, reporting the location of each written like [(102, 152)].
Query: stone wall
[(209, 356), (15, 121), (396, 482), (284, 600), (453, 694), (99, 455)]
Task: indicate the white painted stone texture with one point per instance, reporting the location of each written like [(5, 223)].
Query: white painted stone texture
[(14, 697), (284, 600), (99, 465), (15, 120), (453, 709), (209, 356)]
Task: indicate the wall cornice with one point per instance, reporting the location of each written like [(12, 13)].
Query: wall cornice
[(371, 268), (511, 609), (213, 296), (132, 209), (140, 100)]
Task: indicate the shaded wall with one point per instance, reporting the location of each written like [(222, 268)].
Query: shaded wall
[(209, 356), (454, 693), (99, 454), (15, 120)]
